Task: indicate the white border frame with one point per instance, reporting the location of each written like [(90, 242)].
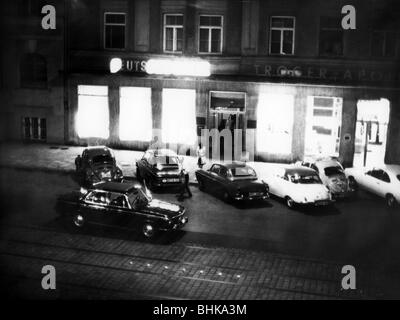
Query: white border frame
[(236, 112)]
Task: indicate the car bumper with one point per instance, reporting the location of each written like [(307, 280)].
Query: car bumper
[(317, 203), (251, 197), (344, 194), (176, 225), (167, 181)]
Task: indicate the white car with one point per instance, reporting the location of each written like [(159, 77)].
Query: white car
[(299, 186), (332, 175), (383, 181)]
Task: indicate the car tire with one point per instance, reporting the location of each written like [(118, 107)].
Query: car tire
[(390, 201), (201, 184), (148, 230), (290, 203)]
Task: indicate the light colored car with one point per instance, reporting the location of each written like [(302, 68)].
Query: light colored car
[(383, 181), (299, 186), (332, 175)]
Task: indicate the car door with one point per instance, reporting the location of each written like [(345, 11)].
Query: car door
[(211, 182), (221, 181), (371, 180), (119, 211), (95, 207), (382, 185)]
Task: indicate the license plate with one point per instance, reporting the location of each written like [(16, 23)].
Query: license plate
[(172, 180), (255, 194), (321, 203), (106, 175)]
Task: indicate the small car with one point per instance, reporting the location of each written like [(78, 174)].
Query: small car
[(160, 168), (234, 181), (128, 205), (383, 181), (331, 173), (97, 164), (299, 186)]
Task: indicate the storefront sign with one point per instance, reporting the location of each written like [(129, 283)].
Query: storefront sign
[(326, 73)]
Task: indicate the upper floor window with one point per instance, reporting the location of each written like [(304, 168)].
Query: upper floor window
[(384, 43), (173, 32), (330, 37), (33, 70), (282, 35), (210, 34), (114, 30)]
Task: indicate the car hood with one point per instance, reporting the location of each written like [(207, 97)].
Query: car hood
[(313, 191), (162, 207)]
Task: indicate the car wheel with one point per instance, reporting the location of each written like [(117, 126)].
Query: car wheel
[(78, 220), (148, 230), (390, 201), (290, 203), (201, 184)]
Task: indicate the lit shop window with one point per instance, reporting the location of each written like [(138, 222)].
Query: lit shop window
[(92, 119), (34, 128), (135, 120), (330, 37), (173, 32), (179, 116), (324, 120), (210, 34), (274, 123), (282, 35), (114, 30)]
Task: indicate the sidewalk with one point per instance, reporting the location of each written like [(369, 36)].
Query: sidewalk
[(61, 158)]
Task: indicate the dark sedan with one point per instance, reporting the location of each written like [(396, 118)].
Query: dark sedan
[(97, 164), (160, 168), (126, 205), (236, 181)]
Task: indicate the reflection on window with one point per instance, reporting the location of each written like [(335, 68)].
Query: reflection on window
[(274, 123), (179, 116), (135, 117), (92, 119)]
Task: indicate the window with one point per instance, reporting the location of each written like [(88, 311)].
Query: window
[(179, 116), (34, 128), (323, 123), (282, 35), (114, 30), (33, 70), (92, 118), (173, 32), (275, 123), (210, 34), (330, 37), (135, 116), (383, 43)]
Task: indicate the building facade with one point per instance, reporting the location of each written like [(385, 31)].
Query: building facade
[(285, 77)]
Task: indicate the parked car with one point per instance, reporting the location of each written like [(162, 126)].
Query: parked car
[(127, 205), (97, 164), (383, 181), (332, 175), (235, 181), (160, 168), (299, 186)]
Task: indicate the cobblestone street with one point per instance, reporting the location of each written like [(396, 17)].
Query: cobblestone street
[(99, 268)]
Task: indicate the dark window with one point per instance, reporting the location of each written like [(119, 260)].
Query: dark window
[(210, 34), (215, 169), (31, 8), (223, 172), (282, 35), (34, 128), (383, 43), (330, 37), (114, 30), (33, 70)]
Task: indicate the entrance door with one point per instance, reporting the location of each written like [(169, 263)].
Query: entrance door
[(371, 132)]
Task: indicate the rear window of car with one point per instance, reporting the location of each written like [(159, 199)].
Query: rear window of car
[(243, 172), (330, 171), (305, 179), (102, 158), (167, 160)]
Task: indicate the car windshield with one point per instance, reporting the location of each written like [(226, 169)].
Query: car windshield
[(331, 171), (167, 160), (103, 158), (305, 179), (245, 172), (139, 198)]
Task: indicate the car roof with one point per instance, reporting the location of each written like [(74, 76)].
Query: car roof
[(162, 152), (327, 163), (393, 168), (120, 187), (298, 170), (98, 150), (233, 165)]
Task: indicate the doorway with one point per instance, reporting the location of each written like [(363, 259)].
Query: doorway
[(371, 132)]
